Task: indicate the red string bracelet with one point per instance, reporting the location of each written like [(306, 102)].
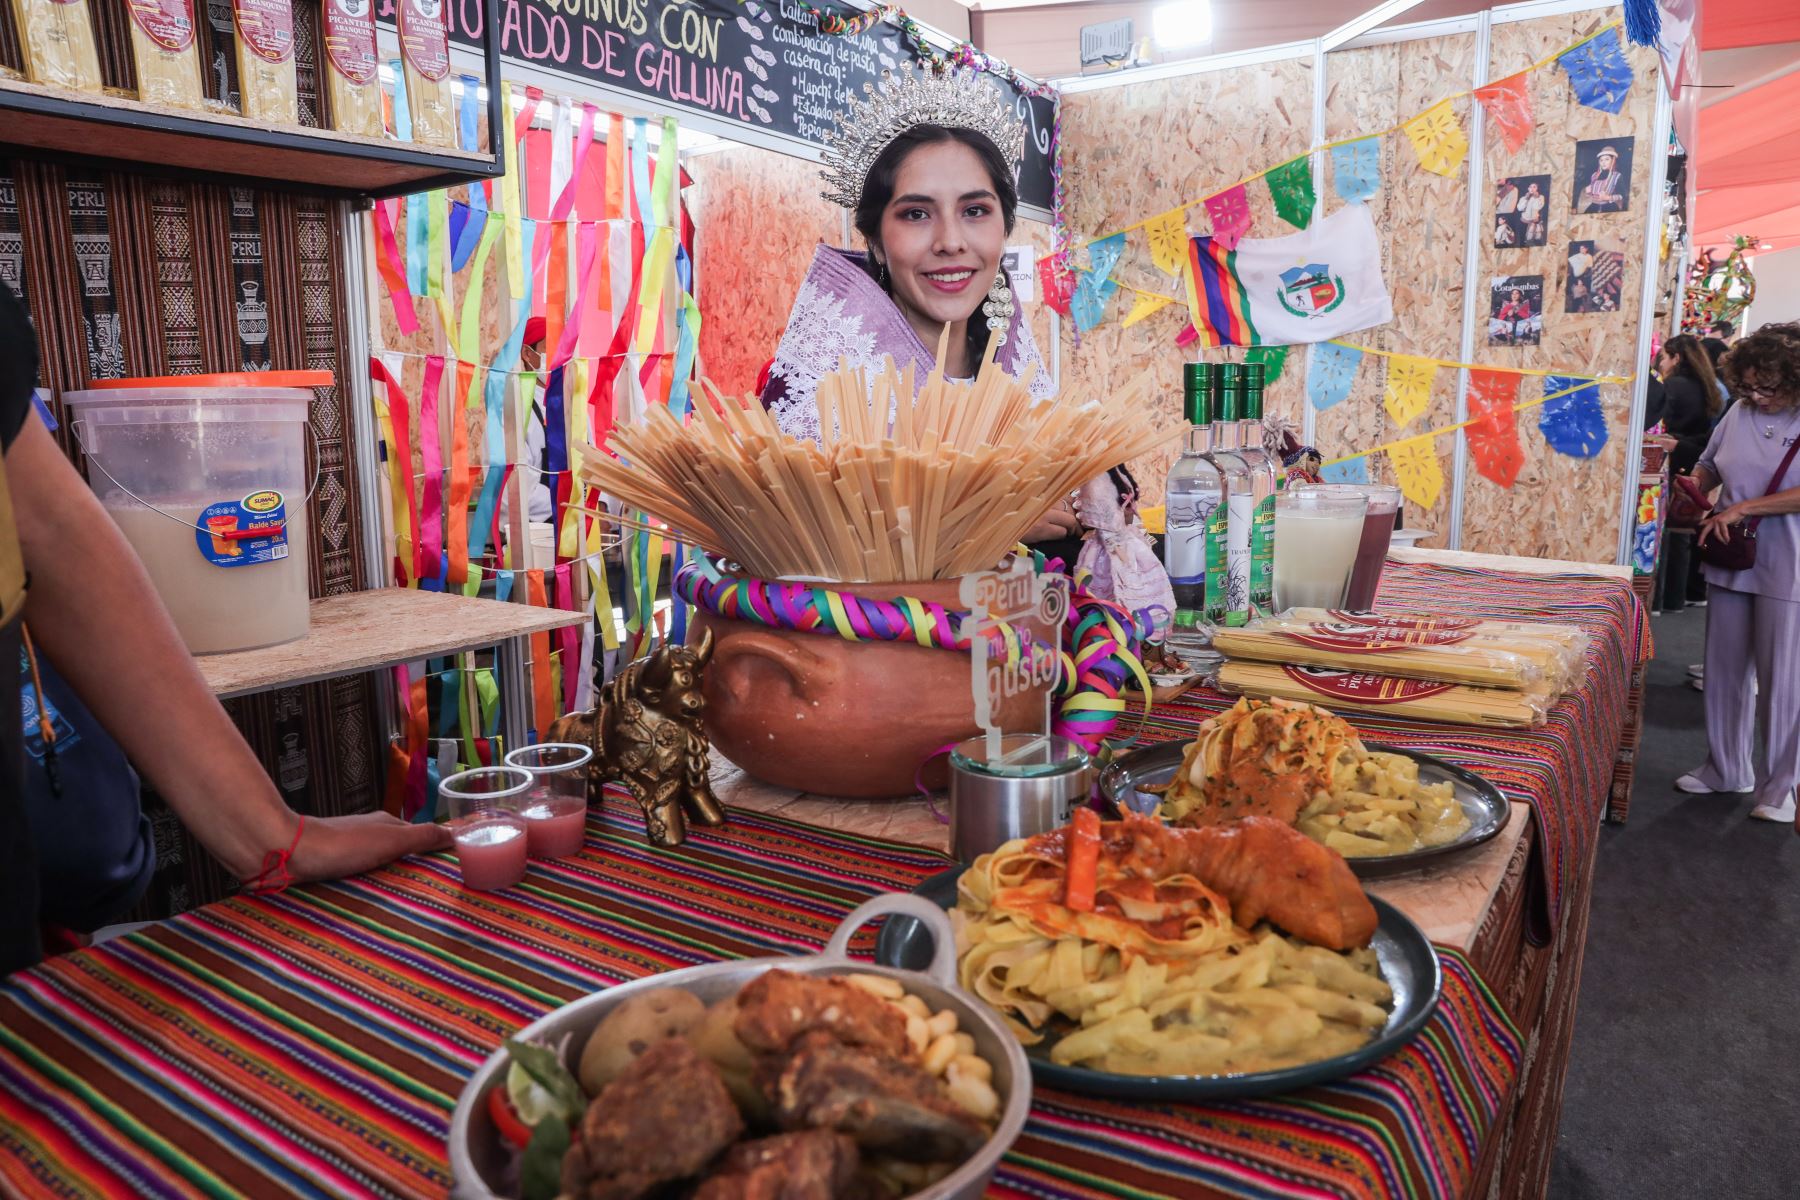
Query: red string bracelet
[(274, 876)]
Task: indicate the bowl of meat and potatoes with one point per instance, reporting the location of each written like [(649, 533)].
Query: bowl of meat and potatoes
[(816, 1078)]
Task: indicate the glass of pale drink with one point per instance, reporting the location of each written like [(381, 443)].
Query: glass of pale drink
[(1377, 532), (1316, 539), (483, 808), (555, 809)]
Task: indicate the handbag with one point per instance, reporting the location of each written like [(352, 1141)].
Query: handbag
[(1688, 505), (1736, 550)]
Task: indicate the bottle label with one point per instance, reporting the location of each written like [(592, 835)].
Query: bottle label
[(1262, 555), (1218, 572), (242, 533), (1239, 513), (1184, 542)]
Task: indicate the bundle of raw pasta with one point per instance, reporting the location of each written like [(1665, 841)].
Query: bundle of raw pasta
[(265, 54), (1454, 703), (351, 67), (162, 47), (909, 484), (1415, 654), (59, 43), (425, 51), (1557, 651)]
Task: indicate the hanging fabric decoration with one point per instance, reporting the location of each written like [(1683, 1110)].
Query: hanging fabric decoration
[(1573, 424), (1058, 282), (1168, 236), (1409, 380), (1354, 471), (1494, 433), (1417, 471), (1437, 138), (1146, 304), (1103, 255), (1598, 73), (1230, 213), (1310, 286), (1330, 374), (1088, 307), (1508, 105), (1272, 358), (1643, 21), (1356, 169), (1291, 188)]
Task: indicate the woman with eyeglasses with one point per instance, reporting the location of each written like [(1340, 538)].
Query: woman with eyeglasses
[(1753, 618)]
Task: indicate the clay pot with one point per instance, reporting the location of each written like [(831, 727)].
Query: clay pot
[(820, 714)]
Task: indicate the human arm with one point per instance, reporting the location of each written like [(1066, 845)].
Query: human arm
[(1775, 504), (1059, 522), (94, 613)]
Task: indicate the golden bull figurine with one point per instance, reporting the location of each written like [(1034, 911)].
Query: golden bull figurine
[(647, 737)]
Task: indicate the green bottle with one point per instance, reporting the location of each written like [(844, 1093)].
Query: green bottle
[(1229, 603), (1191, 494), (1265, 481)]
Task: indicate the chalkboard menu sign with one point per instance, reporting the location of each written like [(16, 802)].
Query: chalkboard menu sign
[(765, 67)]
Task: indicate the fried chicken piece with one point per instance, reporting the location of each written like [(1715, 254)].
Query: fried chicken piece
[(889, 1105), (1264, 868), (815, 1164), (664, 1119), (777, 1007)]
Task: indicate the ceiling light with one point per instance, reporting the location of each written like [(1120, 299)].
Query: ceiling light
[(1182, 23)]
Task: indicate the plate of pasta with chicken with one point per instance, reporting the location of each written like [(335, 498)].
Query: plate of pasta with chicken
[(1136, 959), (1384, 808)]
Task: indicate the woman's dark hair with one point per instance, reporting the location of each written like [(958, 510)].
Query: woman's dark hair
[(878, 191), (1695, 362), (1772, 356)]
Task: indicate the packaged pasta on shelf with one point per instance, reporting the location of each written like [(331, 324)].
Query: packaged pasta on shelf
[(58, 37), (425, 50), (265, 54), (351, 67), (162, 47), (1366, 644), (1454, 703)]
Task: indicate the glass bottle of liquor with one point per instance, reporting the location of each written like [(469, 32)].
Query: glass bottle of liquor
[(1193, 492), (1228, 593), (1265, 473)]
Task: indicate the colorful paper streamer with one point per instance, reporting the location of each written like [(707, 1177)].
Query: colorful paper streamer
[(1230, 213), (1574, 424), (1355, 470), (1356, 169), (1146, 304), (1291, 188), (1508, 105), (1330, 373), (1598, 73), (1168, 235), (1493, 433), (1058, 281), (1088, 306), (1437, 138), (1104, 254), (1271, 358), (1417, 470), (1408, 392)]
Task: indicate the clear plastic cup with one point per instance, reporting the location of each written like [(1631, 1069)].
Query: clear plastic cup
[(483, 808), (1377, 533), (1316, 539), (555, 809)]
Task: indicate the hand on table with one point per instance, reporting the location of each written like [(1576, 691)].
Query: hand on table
[(333, 847), (1059, 522)]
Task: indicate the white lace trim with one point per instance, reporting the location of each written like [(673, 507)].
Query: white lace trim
[(819, 334), (1042, 386)]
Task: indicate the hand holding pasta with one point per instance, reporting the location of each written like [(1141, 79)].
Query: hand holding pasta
[(1158, 974), (1302, 765)]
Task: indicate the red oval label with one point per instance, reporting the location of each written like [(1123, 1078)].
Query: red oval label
[(168, 23), (1370, 637), (350, 39), (267, 27), (423, 37), (1362, 687)]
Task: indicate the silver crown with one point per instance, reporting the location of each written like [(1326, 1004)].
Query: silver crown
[(955, 100)]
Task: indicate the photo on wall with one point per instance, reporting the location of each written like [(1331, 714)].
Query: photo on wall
[(1596, 276), (1603, 175), (1521, 204), (1515, 310)]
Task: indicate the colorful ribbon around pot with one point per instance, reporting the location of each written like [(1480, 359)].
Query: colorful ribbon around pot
[(1096, 660)]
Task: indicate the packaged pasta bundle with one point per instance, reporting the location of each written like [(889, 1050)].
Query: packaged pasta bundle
[(1455, 703), (162, 47), (1451, 656), (59, 43), (425, 48), (265, 54), (351, 67), (1560, 650)]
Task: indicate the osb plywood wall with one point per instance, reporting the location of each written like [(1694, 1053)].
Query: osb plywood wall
[(1135, 151), (1564, 507), (1132, 152), (757, 219), (1422, 218)]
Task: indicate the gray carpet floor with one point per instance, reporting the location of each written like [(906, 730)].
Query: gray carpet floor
[(1685, 1074)]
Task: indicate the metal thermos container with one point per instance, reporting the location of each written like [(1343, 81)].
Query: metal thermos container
[(1032, 786)]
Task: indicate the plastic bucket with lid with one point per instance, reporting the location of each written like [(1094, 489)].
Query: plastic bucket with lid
[(206, 477)]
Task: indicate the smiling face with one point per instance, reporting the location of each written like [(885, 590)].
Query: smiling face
[(941, 237)]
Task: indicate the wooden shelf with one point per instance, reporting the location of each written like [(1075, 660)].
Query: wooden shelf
[(367, 631), (90, 126)]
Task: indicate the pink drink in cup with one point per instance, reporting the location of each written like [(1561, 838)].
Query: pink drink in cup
[(1377, 532), (483, 807), (555, 809)]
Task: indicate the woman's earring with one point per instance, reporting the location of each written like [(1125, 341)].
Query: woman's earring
[(881, 274), (999, 307)]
